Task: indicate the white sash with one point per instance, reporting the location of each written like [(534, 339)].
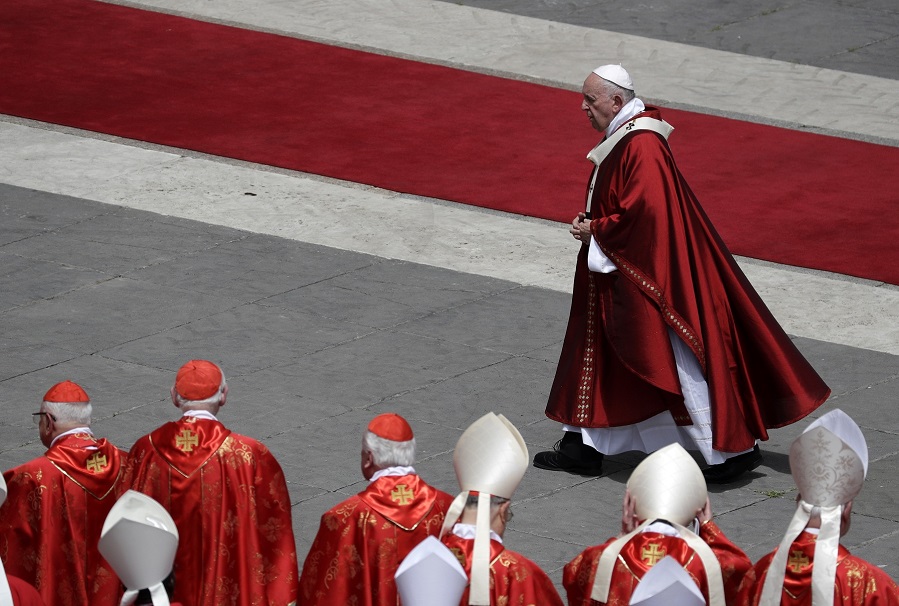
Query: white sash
[(602, 582), (599, 153)]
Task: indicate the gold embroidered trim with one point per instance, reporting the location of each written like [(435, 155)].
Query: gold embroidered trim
[(585, 385), (671, 317), (85, 488)]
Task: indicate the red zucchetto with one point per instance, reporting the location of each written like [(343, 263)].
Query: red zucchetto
[(198, 380), (66, 392), (391, 426)]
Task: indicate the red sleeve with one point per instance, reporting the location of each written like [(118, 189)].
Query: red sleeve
[(522, 581), (734, 562), (578, 576)]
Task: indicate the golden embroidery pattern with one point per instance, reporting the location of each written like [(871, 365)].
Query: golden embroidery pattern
[(797, 561), (671, 317), (402, 495), (186, 440), (585, 388), (97, 463), (652, 553)]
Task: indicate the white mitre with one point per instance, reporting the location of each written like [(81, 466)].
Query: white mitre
[(829, 462), (616, 75), (667, 485), (139, 540), (490, 459), (5, 591), (667, 584), (430, 576)]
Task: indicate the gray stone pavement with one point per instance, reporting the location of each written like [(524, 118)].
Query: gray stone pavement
[(315, 340), (860, 36)]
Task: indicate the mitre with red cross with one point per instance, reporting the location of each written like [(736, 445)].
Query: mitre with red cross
[(667, 486), (829, 462), (139, 540)]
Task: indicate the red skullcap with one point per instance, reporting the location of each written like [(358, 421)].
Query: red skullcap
[(391, 426), (198, 380), (66, 392)]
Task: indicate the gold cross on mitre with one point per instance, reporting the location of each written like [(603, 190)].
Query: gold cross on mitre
[(652, 553), (401, 494), (186, 440), (97, 463), (797, 561)]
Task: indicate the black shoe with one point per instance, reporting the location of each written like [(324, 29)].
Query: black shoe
[(556, 460), (733, 468)]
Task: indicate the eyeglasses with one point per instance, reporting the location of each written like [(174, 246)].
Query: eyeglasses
[(36, 417)]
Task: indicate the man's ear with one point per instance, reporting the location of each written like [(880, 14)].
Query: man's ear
[(174, 395), (224, 396)]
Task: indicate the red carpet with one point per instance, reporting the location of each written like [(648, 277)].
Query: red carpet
[(781, 195)]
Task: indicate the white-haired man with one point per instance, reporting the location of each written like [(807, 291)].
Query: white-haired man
[(667, 341), (362, 540), (227, 495), (829, 462), (51, 521)]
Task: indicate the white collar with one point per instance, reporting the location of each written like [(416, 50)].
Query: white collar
[(392, 471), (630, 109), (661, 528), (200, 414), (86, 430), (468, 531)]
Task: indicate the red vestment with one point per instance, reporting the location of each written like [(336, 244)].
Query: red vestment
[(23, 594), (514, 579), (362, 541), (230, 503), (617, 367), (857, 582), (51, 521), (641, 553)]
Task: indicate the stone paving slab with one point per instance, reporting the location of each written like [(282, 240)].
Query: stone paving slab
[(853, 36), (315, 341)]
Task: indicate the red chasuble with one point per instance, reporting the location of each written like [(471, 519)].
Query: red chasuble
[(645, 550), (514, 579), (229, 500), (617, 367), (51, 521), (23, 594), (361, 542), (857, 583)]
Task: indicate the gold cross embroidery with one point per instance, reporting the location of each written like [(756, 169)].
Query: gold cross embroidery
[(798, 560), (401, 495), (652, 553), (97, 463), (186, 440)]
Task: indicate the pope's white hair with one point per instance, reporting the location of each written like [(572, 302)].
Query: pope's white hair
[(610, 88), (70, 413), (388, 453)]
